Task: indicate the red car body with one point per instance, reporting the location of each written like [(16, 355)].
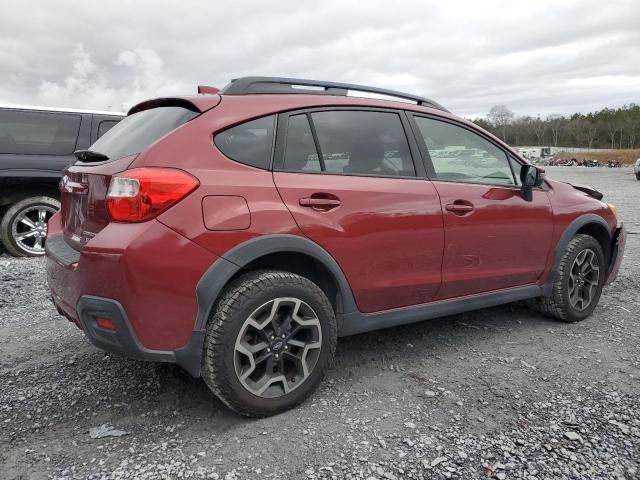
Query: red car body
[(390, 251)]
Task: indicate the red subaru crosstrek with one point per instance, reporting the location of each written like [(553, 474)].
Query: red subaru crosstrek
[(239, 232)]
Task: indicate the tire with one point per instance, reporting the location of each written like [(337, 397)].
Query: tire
[(560, 304), (229, 332), (37, 211), (637, 176)]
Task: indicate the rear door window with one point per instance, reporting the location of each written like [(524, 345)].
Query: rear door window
[(349, 142), (250, 143), (300, 152), (136, 132), (38, 133)]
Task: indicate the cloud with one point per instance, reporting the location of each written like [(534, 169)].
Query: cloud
[(536, 57), (83, 82), (87, 84)]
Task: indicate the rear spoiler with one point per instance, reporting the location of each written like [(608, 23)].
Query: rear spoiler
[(163, 102), (196, 103)]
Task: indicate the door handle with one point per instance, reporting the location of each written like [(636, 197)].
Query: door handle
[(320, 203), (460, 207)]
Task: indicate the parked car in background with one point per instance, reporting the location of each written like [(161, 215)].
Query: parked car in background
[(36, 145), (240, 233), (636, 169)]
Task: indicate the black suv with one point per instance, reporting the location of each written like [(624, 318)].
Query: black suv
[(36, 144)]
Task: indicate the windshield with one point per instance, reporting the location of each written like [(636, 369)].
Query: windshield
[(136, 132)]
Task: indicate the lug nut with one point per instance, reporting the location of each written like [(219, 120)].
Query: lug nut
[(268, 350), (286, 347), (284, 336), (277, 356), (272, 337)]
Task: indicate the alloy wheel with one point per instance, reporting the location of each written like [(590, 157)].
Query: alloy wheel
[(583, 279), (277, 347), (29, 228)]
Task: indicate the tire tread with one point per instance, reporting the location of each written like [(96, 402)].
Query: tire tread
[(238, 293), (555, 304)]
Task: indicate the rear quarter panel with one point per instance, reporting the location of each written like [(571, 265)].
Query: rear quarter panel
[(191, 149)]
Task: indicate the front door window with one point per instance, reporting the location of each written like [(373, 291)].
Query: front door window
[(459, 155)]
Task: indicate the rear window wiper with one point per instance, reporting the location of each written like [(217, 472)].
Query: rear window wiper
[(90, 156)]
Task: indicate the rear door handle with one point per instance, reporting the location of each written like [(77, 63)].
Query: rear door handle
[(460, 207), (319, 203)]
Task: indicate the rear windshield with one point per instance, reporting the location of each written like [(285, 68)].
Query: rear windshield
[(136, 132)]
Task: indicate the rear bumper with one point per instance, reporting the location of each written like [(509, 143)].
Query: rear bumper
[(141, 277), (123, 340), (617, 252)]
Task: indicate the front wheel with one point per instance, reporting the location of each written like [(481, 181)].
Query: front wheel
[(637, 176), (578, 283), (23, 229), (268, 343)]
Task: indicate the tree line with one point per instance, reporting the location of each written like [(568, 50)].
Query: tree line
[(607, 128)]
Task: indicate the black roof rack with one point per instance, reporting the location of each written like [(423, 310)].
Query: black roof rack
[(249, 85)]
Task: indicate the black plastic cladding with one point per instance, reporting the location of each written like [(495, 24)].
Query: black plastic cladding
[(250, 85)]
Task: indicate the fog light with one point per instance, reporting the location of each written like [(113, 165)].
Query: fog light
[(106, 324)]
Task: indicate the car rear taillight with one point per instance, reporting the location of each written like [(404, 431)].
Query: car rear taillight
[(142, 193)]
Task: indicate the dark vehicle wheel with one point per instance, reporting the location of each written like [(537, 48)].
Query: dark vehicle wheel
[(637, 176), (579, 282), (268, 342), (23, 229)]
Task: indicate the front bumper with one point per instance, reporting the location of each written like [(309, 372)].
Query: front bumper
[(617, 252)]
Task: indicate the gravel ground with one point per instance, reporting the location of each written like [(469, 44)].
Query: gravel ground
[(499, 393)]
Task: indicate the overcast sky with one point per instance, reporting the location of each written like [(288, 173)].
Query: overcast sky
[(537, 56)]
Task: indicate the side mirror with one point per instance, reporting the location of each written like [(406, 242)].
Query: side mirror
[(531, 176)]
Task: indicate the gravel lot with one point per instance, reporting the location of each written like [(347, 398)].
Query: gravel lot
[(499, 393)]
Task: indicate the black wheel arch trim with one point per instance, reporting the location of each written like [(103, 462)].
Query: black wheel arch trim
[(226, 267), (570, 232), (222, 270)]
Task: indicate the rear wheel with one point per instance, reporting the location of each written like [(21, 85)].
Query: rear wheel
[(578, 284), (269, 342), (637, 176), (23, 229)]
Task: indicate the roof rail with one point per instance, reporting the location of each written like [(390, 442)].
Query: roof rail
[(249, 85)]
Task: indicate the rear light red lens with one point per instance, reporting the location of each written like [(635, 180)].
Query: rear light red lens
[(141, 194), (105, 323)]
